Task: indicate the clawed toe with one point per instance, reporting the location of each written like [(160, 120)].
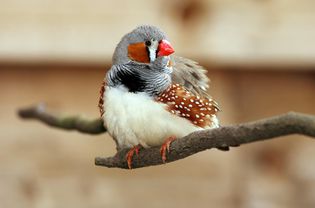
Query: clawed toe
[(166, 147), (130, 154)]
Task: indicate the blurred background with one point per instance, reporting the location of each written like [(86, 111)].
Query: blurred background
[(260, 56)]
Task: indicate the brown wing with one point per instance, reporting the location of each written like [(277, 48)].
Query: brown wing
[(198, 110), (192, 76), (101, 99)]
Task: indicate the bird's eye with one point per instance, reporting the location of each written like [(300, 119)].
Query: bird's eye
[(147, 43)]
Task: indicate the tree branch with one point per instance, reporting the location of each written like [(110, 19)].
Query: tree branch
[(38, 112), (226, 136), (223, 137)]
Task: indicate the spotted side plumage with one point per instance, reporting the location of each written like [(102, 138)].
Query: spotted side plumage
[(201, 111), (101, 99)]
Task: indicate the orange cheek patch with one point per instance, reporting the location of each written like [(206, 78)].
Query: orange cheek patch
[(138, 52)]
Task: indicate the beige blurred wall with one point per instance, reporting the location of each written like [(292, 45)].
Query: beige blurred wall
[(245, 31), (47, 167), (58, 52)]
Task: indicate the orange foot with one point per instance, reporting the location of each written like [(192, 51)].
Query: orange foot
[(166, 147), (130, 154)]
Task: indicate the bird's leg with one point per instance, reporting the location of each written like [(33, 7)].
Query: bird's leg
[(166, 147), (130, 154)]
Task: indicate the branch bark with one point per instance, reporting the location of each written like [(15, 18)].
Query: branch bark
[(82, 125), (223, 137)]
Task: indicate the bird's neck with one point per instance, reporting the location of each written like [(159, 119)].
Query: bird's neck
[(139, 79)]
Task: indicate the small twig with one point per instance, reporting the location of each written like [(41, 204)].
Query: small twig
[(222, 138), (38, 112)]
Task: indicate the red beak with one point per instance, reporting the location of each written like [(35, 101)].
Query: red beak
[(165, 48)]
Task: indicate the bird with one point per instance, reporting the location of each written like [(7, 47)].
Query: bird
[(150, 96)]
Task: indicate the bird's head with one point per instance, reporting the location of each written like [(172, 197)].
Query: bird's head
[(144, 45), (141, 61)]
